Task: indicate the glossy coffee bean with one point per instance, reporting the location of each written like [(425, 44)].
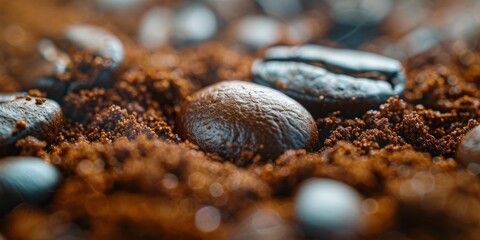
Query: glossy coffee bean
[(468, 150), (326, 209), (325, 79), (25, 179), (233, 118), (38, 117), (194, 23), (103, 43), (46, 65)]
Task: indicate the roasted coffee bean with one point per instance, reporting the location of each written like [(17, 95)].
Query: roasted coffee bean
[(325, 79), (326, 209), (268, 31), (53, 87), (58, 58), (100, 41), (241, 120), (38, 117), (155, 28), (194, 23), (57, 61), (469, 149), (45, 67), (103, 44), (25, 179)]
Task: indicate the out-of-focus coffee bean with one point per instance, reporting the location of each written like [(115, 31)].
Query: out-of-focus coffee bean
[(25, 180), (155, 28), (103, 43), (194, 23), (325, 79), (267, 31), (328, 209)]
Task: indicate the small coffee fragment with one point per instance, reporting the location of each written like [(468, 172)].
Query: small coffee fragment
[(21, 117), (25, 179), (327, 209), (326, 80), (241, 120)]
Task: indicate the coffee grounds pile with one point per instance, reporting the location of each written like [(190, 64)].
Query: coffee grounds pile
[(128, 175)]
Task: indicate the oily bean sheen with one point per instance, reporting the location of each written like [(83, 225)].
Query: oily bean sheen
[(236, 118), (469, 149), (25, 179), (325, 79), (20, 117)]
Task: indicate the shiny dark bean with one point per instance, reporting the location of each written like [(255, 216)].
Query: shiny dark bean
[(25, 179), (101, 42), (21, 117), (235, 118), (325, 79)]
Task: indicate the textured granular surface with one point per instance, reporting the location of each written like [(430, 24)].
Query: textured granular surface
[(128, 175)]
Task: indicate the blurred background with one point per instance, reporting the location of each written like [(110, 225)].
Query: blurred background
[(394, 28)]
